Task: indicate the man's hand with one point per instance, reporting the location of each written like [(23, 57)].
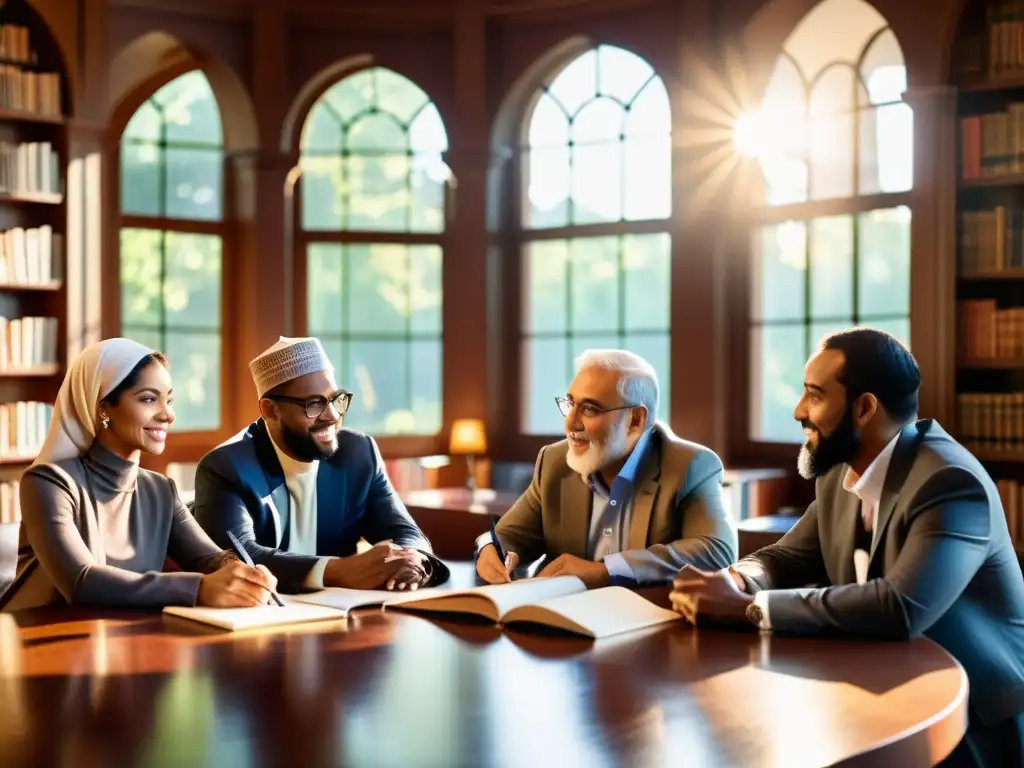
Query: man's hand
[(413, 575), (372, 569), (592, 574), (491, 569), (713, 595)]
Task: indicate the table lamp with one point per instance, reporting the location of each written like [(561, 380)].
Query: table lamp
[(468, 439)]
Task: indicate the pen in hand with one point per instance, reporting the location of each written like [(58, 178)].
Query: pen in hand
[(506, 560), (244, 557)]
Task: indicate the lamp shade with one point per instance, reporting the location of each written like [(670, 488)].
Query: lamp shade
[(468, 438)]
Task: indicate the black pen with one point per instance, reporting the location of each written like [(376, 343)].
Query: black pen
[(497, 544), (240, 551)]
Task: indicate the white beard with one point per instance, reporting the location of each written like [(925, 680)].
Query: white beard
[(598, 455)]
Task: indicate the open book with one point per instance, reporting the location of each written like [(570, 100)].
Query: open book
[(326, 604), (562, 602)]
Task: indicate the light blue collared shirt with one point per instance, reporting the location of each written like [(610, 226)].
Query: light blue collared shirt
[(612, 513)]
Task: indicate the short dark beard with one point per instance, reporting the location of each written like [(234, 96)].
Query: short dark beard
[(301, 445), (839, 447)]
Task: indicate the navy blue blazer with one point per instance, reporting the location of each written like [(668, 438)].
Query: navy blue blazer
[(240, 487)]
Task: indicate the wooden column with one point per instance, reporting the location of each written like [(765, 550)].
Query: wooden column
[(85, 236), (464, 282), (933, 250), (699, 341), (256, 266)]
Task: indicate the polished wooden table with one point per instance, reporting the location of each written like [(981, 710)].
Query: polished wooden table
[(96, 688)]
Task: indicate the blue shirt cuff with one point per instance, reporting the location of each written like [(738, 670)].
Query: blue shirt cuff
[(621, 575)]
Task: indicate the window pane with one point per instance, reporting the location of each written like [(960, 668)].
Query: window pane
[(398, 95), (621, 73), (546, 368), (547, 196), (900, 328), (597, 182), (426, 387), (832, 118), (141, 266), (594, 283), (146, 336), (424, 285), (195, 368), (886, 149), (427, 180), (646, 265), (654, 348), (140, 178), (582, 342), (778, 358), (193, 183), (334, 346), (832, 267), (192, 282), (884, 274), (378, 193), (882, 70), (377, 132), (379, 377), (352, 96), (426, 133), (577, 83), (549, 125), (325, 289), (598, 121), (778, 271), (650, 114), (647, 171), (321, 192), (545, 293), (190, 110), (322, 131), (378, 298), (146, 123), (820, 330)]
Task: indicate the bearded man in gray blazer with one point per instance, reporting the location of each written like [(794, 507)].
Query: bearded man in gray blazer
[(621, 500), (906, 537)]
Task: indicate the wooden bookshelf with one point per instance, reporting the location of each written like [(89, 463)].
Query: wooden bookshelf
[(989, 381), (34, 101)]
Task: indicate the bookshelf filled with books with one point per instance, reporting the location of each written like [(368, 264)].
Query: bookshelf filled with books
[(33, 298), (989, 72)]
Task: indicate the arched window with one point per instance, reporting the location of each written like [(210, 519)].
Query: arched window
[(373, 190), (596, 198), (171, 233), (834, 142)]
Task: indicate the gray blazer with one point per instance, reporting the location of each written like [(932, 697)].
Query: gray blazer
[(678, 514), (941, 564)]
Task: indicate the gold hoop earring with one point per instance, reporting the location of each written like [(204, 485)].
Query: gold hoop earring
[(105, 421)]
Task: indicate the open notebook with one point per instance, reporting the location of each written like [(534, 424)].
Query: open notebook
[(324, 605), (562, 602), (251, 618)]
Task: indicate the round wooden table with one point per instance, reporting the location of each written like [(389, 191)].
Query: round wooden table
[(89, 688)]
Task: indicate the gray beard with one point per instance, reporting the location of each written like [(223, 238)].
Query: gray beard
[(804, 463)]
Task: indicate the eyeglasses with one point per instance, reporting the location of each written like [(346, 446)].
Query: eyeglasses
[(586, 410), (316, 406)]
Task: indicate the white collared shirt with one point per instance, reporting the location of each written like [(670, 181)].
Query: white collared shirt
[(868, 488), (300, 479)]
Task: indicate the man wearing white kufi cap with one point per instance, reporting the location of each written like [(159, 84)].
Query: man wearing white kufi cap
[(300, 491)]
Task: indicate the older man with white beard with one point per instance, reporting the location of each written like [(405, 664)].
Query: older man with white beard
[(621, 500)]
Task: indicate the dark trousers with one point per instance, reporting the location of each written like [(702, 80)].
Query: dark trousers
[(998, 746)]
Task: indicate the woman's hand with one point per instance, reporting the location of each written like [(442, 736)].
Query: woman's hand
[(236, 585)]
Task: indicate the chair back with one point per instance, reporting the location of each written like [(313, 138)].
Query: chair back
[(8, 554)]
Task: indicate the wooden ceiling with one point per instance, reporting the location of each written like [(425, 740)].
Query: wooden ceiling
[(396, 10)]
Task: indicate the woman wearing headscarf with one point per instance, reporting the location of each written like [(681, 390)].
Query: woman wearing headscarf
[(95, 527)]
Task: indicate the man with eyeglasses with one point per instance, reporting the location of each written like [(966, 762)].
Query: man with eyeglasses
[(621, 500), (299, 491)]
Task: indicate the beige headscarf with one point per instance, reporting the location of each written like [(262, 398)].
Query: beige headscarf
[(91, 377)]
